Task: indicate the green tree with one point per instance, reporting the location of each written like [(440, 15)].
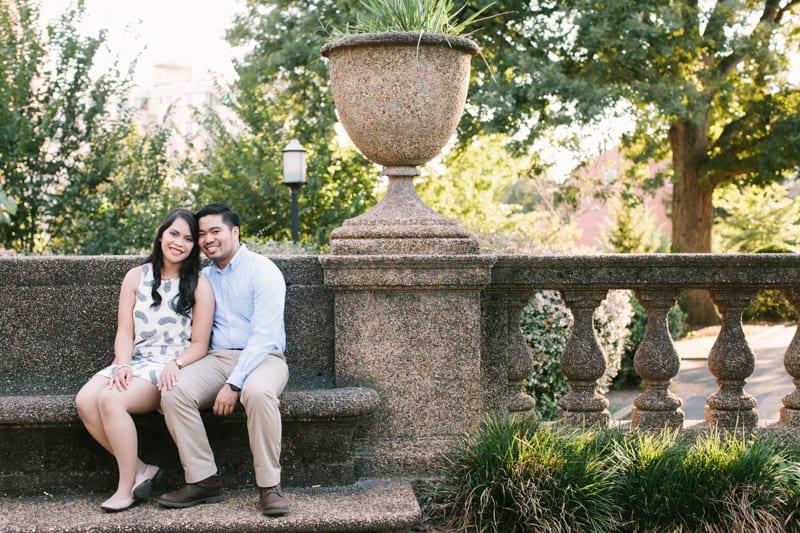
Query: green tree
[(65, 137), (705, 82), (49, 109), (506, 200), (633, 229), (120, 213), (754, 219), (282, 93), (751, 219)]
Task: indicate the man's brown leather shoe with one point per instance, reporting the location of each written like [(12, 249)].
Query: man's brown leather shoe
[(272, 501), (207, 491)]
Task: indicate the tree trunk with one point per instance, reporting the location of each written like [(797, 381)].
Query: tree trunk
[(692, 208)]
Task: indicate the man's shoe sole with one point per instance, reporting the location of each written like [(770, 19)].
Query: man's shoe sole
[(182, 505)]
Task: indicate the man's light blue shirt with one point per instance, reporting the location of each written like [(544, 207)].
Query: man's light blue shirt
[(250, 295)]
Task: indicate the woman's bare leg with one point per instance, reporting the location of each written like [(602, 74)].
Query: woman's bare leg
[(115, 409), (89, 410)]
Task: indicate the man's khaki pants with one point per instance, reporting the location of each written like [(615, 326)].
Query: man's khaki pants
[(197, 388)]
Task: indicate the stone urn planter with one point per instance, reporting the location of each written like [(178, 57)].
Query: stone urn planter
[(400, 96)]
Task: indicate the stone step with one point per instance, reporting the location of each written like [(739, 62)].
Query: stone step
[(375, 505), (44, 446)]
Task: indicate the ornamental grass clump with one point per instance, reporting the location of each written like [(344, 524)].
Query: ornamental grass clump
[(650, 479), (516, 475), (718, 482), (424, 16), (523, 475), (738, 483)]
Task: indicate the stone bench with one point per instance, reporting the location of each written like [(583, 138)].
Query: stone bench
[(318, 427), (57, 324)]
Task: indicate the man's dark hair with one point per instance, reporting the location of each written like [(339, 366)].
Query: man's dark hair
[(229, 216)]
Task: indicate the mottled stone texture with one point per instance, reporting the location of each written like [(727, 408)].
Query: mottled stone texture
[(731, 361), (583, 363), (369, 506), (506, 357), (58, 317), (401, 224), (790, 412), (410, 327), (732, 279), (657, 362), (391, 357), (400, 97), (57, 324)]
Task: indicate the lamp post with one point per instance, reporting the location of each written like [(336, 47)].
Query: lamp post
[(294, 176)]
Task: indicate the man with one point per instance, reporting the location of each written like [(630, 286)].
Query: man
[(245, 363)]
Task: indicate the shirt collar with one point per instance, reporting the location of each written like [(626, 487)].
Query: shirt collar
[(233, 264)]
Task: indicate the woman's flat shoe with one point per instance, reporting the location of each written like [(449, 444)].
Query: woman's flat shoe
[(145, 488), (115, 508)]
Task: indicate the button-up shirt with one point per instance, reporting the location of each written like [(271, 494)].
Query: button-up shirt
[(250, 294)]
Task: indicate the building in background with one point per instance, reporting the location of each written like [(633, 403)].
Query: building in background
[(174, 99), (594, 217)]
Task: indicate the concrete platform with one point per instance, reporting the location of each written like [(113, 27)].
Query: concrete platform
[(369, 506)]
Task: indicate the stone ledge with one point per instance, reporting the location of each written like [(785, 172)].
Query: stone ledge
[(44, 446), (377, 505), (296, 405)]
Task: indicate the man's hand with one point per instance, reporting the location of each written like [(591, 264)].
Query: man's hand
[(226, 401)]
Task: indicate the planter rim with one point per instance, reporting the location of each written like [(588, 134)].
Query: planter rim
[(402, 38)]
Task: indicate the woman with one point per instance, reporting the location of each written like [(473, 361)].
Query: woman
[(166, 309)]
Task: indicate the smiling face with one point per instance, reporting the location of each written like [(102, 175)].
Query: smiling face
[(217, 240), (177, 241)]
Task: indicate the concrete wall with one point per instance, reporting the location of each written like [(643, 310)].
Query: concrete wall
[(58, 319)]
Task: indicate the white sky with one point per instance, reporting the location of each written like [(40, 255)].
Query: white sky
[(184, 32)]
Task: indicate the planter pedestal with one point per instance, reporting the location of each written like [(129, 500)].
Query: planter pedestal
[(401, 223), (407, 282)]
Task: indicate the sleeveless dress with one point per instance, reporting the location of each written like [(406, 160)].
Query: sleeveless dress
[(160, 333)]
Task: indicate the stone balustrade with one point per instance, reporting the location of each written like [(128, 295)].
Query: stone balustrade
[(396, 356), (657, 280)]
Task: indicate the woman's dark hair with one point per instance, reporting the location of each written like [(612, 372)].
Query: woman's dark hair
[(190, 268)]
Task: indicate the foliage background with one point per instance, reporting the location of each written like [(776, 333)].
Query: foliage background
[(77, 175), (546, 324)]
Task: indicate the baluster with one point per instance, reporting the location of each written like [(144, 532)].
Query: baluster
[(657, 362), (731, 361), (790, 410), (583, 363), (519, 357)]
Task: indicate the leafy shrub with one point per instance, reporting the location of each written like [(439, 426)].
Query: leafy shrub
[(771, 305), (270, 247), (546, 324)]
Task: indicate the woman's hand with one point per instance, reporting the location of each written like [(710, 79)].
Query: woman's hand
[(121, 378), (169, 376)]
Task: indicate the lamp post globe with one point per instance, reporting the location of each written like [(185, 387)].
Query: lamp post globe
[(294, 176)]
